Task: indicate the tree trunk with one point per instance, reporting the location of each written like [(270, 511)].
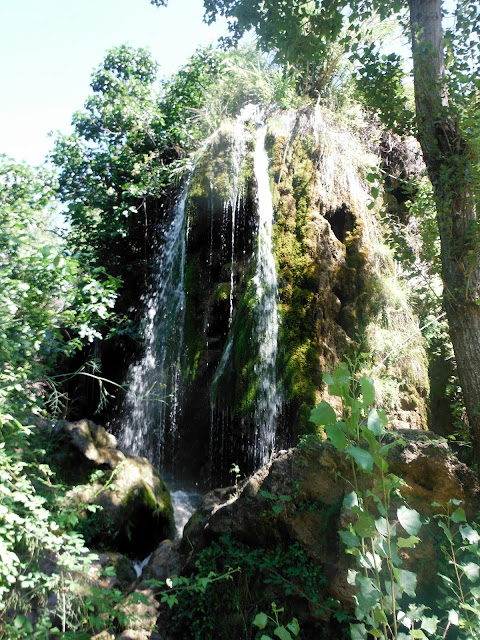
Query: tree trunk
[(448, 162)]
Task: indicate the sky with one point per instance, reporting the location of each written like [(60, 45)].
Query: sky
[(49, 48)]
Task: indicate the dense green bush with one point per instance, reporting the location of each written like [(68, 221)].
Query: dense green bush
[(227, 608)]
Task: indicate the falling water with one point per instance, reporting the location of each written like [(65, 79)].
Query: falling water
[(266, 314), (238, 157), (265, 331), (151, 404)]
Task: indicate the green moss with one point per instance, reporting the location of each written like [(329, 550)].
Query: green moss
[(297, 277), (238, 387), (222, 292), (193, 336)]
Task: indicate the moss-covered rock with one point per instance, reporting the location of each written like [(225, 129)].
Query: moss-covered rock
[(337, 288), (135, 511), (125, 503)]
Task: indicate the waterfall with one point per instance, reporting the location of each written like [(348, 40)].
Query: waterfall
[(238, 157), (264, 334), (159, 416), (266, 314), (151, 406)]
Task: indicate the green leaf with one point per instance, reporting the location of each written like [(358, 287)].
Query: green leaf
[(294, 627), (407, 543), (380, 462), (469, 534), (349, 539), (430, 624), (350, 500), (453, 617), (373, 443), (376, 422), (267, 494), (277, 509), (409, 519), (362, 458), (323, 414), (379, 616), (365, 526), (446, 530), (281, 632), (368, 390), (336, 436), (407, 581), (374, 192), (471, 570), (358, 632), (417, 633), (372, 177), (459, 515), (260, 620)]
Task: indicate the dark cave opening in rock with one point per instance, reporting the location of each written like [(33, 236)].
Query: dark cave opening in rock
[(342, 221)]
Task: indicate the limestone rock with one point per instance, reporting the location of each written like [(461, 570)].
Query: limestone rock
[(167, 560), (141, 609), (136, 510), (314, 478), (83, 447)]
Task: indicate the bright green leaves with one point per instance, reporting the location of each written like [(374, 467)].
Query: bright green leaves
[(336, 435), (406, 580), (284, 632), (409, 519), (365, 526), (363, 459), (323, 414), (368, 390), (371, 536), (459, 515), (43, 288), (260, 620), (376, 422)]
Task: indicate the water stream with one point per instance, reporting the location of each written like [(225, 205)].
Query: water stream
[(151, 405), (266, 313)]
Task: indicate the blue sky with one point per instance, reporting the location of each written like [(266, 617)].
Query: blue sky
[(48, 49)]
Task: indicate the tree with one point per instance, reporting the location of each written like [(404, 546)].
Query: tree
[(447, 128), (44, 289), (128, 148)]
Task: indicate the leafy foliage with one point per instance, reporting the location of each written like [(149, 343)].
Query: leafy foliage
[(44, 591), (128, 149), (45, 290), (208, 607), (386, 605)]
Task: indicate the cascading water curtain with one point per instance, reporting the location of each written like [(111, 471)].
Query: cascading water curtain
[(151, 406), (265, 411), (268, 399)]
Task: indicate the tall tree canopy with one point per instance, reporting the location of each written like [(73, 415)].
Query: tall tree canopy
[(128, 148), (447, 86)]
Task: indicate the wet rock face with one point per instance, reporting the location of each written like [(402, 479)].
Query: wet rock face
[(329, 293), (134, 508)]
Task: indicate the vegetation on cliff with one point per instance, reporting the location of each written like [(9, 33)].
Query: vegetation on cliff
[(359, 261)]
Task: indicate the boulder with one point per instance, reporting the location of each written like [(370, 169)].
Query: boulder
[(82, 447), (136, 511), (298, 499), (125, 503)]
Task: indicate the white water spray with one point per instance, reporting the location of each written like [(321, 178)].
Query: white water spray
[(268, 397), (153, 381)]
